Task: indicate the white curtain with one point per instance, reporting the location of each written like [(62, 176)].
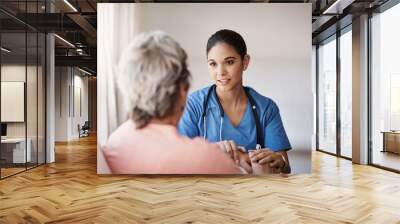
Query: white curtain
[(112, 40)]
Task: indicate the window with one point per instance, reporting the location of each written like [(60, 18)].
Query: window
[(385, 88), (346, 93), (23, 79), (327, 96)]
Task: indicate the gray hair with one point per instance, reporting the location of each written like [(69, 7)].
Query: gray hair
[(151, 71)]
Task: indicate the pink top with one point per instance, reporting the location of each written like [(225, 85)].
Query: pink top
[(159, 149)]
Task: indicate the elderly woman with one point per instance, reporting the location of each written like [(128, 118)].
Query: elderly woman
[(154, 79)]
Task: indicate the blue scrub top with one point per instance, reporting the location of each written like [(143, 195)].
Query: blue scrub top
[(245, 134)]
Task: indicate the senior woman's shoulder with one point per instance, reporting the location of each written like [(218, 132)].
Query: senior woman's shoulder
[(119, 135), (209, 157), (200, 144)]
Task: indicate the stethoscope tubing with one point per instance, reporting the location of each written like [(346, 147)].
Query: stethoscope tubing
[(222, 115)]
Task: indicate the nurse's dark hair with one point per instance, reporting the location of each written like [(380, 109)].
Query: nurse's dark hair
[(230, 37)]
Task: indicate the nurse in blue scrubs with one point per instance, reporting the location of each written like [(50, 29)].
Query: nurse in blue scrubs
[(238, 118)]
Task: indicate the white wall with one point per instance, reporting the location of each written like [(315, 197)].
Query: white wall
[(314, 89), (12, 73), (68, 81), (360, 90), (50, 95), (33, 126), (61, 103), (278, 37), (81, 84)]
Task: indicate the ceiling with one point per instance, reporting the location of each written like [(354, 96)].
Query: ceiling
[(76, 22)]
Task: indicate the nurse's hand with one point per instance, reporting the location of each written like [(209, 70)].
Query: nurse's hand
[(238, 155), (276, 160)]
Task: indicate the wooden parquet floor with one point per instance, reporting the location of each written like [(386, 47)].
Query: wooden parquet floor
[(10, 171), (70, 191)]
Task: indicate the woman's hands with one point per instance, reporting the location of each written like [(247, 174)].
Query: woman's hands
[(237, 153), (278, 161), (261, 161)]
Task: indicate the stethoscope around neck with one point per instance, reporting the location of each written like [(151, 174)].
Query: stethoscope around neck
[(222, 114)]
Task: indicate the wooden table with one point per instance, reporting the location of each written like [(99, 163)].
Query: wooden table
[(391, 141), (13, 150)]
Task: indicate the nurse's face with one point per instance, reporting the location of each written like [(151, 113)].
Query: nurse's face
[(226, 66)]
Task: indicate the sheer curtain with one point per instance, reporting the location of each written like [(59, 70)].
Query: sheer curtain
[(112, 40)]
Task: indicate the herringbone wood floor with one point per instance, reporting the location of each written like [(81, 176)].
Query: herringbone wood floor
[(70, 191)]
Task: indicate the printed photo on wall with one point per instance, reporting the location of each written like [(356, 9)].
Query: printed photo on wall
[(204, 88)]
